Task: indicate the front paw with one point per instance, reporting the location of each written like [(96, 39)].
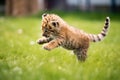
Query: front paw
[(40, 41), (46, 47)]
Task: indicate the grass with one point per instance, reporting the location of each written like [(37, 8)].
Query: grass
[(22, 59)]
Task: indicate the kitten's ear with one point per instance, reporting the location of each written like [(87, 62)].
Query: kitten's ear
[(45, 14), (55, 23)]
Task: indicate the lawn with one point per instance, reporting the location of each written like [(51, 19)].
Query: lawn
[(21, 58)]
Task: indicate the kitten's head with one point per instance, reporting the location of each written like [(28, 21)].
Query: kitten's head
[(50, 25)]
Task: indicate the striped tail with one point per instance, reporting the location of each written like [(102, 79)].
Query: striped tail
[(99, 37)]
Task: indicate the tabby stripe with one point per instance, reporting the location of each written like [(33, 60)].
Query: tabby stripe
[(98, 38), (103, 34), (106, 23), (107, 19), (59, 43), (93, 38), (104, 30), (106, 26)]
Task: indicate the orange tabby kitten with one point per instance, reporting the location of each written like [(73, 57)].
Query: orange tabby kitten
[(57, 32)]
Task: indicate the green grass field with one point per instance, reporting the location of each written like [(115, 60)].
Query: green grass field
[(21, 58)]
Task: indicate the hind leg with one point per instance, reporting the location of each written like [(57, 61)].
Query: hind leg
[(81, 54)]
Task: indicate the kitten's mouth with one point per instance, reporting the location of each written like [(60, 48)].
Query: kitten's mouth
[(45, 35)]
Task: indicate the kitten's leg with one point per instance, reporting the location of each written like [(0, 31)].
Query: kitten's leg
[(44, 40), (81, 54), (53, 44)]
